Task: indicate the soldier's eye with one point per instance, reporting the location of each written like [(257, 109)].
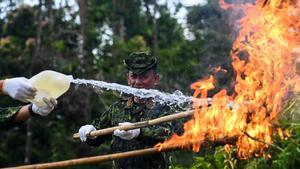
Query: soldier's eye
[(133, 76), (142, 78)]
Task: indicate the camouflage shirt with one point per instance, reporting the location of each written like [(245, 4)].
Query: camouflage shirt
[(6, 116), (130, 111)]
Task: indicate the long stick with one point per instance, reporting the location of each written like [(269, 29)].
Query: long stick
[(95, 159), (109, 157), (152, 122)]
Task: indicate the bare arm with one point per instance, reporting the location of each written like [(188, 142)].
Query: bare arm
[(1, 86), (22, 115)]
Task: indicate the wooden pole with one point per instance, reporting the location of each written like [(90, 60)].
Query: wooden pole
[(147, 123), (95, 159), (128, 154)]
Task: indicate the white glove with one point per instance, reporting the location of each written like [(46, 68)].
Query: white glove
[(19, 88), (84, 131), (127, 135), (45, 109)]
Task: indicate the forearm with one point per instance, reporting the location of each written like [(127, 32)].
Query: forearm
[(2, 87), (22, 115), (10, 117), (7, 114), (13, 116)]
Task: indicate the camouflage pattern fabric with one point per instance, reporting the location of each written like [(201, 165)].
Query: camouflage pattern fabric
[(130, 111), (6, 115), (140, 62)]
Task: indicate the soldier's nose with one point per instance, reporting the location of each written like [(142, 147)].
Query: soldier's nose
[(138, 84)]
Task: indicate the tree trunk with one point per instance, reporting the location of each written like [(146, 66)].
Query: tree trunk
[(51, 19), (151, 16), (36, 58), (83, 22), (118, 21), (36, 53), (82, 53), (154, 33)]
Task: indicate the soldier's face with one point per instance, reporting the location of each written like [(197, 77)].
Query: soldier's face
[(145, 80)]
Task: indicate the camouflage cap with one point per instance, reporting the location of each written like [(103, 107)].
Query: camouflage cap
[(139, 62)]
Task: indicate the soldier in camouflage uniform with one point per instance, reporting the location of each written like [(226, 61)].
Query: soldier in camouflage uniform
[(141, 74), (20, 89)]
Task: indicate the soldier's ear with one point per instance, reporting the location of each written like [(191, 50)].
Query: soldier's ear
[(157, 79), (127, 77)]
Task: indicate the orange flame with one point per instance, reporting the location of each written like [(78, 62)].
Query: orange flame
[(269, 36)]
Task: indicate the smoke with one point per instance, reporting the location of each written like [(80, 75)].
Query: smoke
[(235, 13)]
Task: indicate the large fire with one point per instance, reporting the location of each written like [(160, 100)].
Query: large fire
[(269, 36)]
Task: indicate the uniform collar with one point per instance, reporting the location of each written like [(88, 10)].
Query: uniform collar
[(132, 101)]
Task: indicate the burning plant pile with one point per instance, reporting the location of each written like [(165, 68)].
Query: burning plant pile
[(264, 58)]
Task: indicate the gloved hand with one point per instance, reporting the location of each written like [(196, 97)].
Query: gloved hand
[(84, 131), (127, 135), (46, 108), (19, 88)]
